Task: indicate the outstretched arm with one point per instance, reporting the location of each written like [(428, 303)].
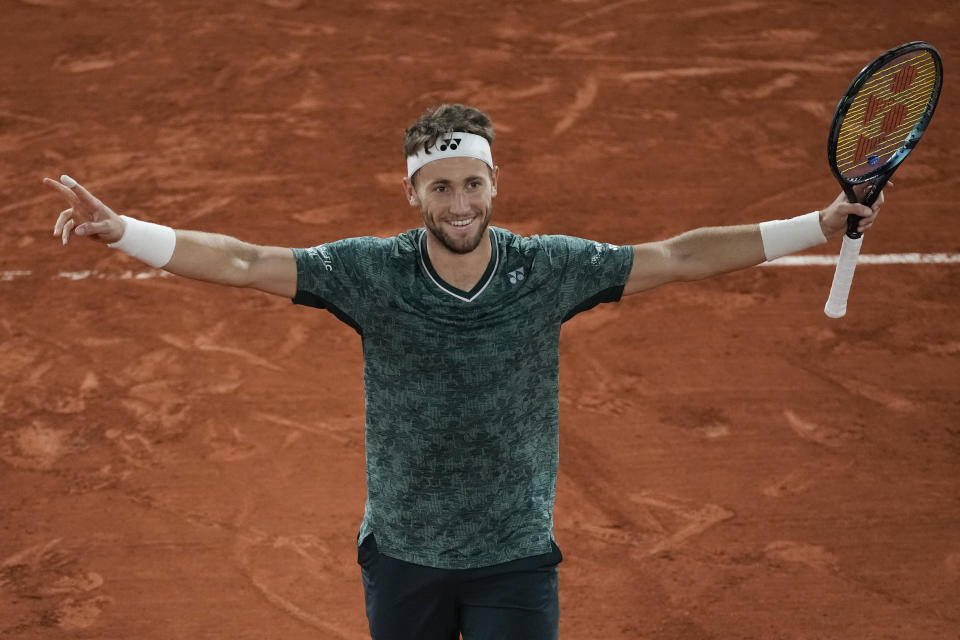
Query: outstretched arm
[(203, 256), (710, 251)]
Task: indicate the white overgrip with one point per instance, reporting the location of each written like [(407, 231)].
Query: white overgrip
[(836, 306)]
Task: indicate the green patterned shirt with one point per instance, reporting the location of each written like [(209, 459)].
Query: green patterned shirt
[(461, 387)]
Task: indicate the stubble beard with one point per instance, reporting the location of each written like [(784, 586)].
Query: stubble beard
[(458, 246)]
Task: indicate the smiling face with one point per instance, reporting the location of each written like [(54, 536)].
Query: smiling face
[(455, 196)]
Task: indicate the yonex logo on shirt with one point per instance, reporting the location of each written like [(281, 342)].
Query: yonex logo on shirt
[(515, 276)]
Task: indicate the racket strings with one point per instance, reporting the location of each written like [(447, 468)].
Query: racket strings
[(869, 108), (896, 124), (892, 68), (862, 107), (885, 112), (903, 78), (894, 129), (918, 95)]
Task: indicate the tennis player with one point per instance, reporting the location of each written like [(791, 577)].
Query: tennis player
[(460, 325)]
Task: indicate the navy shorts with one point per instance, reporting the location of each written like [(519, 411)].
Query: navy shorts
[(515, 600)]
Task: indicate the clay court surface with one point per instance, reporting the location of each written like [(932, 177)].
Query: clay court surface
[(179, 460)]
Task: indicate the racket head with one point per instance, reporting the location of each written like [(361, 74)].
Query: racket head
[(883, 114)]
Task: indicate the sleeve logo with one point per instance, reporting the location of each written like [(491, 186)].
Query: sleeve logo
[(325, 257), (600, 248)]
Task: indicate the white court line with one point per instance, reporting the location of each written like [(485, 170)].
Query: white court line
[(126, 275), (90, 274), (7, 276), (867, 258), (787, 261)]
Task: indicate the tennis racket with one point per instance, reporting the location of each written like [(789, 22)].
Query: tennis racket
[(877, 124)]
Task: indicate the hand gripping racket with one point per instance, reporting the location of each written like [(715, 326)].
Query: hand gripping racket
[(876, 125)]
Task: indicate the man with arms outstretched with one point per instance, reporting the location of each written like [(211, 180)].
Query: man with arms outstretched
[(460, 325)]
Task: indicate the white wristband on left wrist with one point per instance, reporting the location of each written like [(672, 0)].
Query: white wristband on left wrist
[(152, 243)]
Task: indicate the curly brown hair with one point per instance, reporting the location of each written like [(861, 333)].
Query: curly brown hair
[(446, 118)]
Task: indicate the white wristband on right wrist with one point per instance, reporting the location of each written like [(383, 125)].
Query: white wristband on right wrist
[(783, 237), (152, 243)]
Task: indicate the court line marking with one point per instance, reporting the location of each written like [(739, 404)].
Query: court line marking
[(866, 258), (10, 275), (88, 274)]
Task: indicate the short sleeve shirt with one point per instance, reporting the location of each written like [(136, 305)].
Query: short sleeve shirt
[(461, 387)]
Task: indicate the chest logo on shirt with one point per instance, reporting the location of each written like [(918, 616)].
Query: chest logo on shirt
[(515, 276)]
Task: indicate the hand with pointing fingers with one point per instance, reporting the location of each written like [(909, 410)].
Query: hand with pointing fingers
[(87, 216)]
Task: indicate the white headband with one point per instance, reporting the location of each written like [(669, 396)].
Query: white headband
[(452, 145)]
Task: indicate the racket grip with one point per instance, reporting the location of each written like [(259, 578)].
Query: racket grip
[(836, 306)]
